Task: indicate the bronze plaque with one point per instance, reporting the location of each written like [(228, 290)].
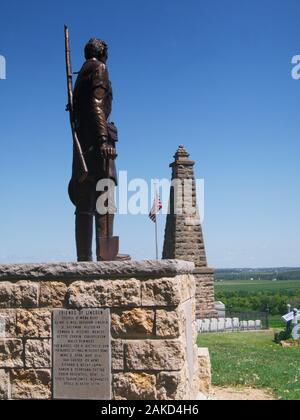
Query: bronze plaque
[(81, 354)]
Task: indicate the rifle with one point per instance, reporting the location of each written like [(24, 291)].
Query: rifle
[(83, 167)]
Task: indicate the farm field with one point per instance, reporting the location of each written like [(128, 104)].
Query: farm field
[(256, 286), (253, 360), (258, 295)]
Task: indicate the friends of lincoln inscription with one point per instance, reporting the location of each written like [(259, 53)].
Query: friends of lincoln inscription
[(81, 354)]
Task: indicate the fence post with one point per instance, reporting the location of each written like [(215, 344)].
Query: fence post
[(267, 318)]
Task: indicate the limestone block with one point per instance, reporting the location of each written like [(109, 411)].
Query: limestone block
[(251, 325), (17, 295), (104, 293), (125, 293), (34, 323), (53, 294), (169, 324), (94, 270), (236, 324), (194, 331), (4, 384), (117, 354), (11, 353), (204, 366), (205, 325), (192, 221), (221, 324), (31, 384), (228, 324), (134, 323), (258, 325), (38, 354), (172, 385), (199, 325), (213, 325), (7, 323), (244, 325), (134, 386), (188, 286), (154, 355), (161, 292)]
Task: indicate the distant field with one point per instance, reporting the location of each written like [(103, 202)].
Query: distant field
[(258, 295), (256, 285), (258, 274)]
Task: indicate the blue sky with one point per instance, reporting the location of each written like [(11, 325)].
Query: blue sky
[(214, 75)]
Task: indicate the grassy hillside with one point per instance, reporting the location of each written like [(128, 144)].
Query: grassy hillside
[(252, 359)]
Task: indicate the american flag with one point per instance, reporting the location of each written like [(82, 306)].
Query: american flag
[(157, 206)]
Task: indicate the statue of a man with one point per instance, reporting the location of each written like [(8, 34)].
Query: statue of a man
[(97, 137)]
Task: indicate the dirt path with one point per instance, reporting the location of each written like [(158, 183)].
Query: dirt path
[(244, 394)]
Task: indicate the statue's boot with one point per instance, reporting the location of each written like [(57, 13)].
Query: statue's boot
[(84, 236), (101, 231)]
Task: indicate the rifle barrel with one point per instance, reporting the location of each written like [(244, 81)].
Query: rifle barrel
[(78, 149)]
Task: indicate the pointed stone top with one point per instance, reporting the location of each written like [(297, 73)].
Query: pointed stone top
[(181, 154), (182, 158)]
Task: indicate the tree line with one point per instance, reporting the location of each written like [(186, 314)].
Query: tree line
[(274, 301)]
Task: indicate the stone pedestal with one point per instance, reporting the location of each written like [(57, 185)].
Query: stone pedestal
[(152, 316), (184, 236), (205, 296), (204, 371)]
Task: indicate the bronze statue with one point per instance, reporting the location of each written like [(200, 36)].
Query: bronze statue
[(94, 157)]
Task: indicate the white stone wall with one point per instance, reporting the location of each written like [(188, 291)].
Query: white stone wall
[(212, 325)]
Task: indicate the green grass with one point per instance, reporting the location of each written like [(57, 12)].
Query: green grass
[(252, 359), (256, 286), (275, 321)]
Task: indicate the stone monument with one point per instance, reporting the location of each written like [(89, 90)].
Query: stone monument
[(115, 329), (184, 237), (104, 330)]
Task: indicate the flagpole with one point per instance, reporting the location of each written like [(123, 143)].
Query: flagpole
[(156, 237), (156, 227)]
